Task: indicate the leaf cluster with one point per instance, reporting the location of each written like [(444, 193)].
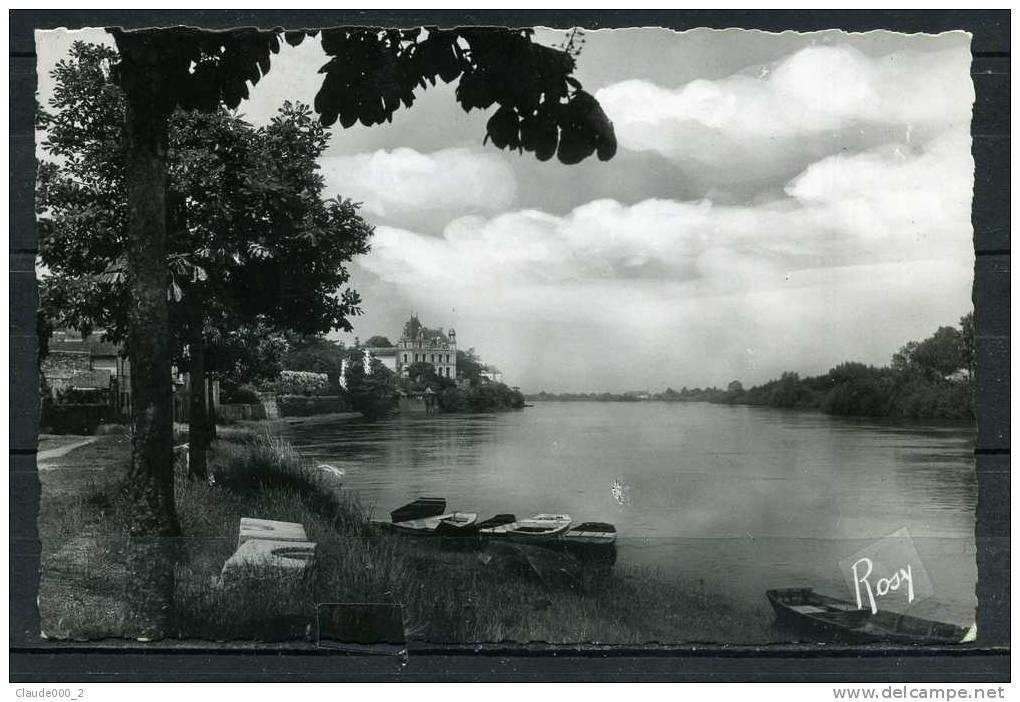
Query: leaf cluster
[(541, 107)]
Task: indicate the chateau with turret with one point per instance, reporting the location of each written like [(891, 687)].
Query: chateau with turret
[(420, 344)]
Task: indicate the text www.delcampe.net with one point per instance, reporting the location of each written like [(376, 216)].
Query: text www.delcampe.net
[(910, 692)]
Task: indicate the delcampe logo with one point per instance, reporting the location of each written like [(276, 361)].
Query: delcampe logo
[(889, 571)]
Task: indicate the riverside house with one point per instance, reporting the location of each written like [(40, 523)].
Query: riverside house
[(92, 365)]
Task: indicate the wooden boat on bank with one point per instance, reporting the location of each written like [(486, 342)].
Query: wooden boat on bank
[(452, 524), (494, 521), (590, 535), (427, 516), (842, 621), (536, 529), (421, 508)]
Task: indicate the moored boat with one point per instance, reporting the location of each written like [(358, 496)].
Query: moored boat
[(419, 509), (538, 528), (450, 524), (590, 535), (495, 521), (491, 522), (843, 621)]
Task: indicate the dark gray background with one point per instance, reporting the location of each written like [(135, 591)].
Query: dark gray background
[(33, 658)]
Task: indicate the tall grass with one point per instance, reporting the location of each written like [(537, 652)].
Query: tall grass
[(83, 524), (263, 461), (447, 596)]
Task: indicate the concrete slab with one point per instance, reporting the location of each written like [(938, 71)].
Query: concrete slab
[(291, 557), (251, 528)]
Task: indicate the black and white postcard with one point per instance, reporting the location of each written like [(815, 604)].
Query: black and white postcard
[(371, 338)]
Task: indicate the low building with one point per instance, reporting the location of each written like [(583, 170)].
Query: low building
[(492, 374), (92, 364), (387, 355)]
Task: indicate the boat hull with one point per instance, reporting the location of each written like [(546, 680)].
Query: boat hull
[(591, 535), (841, 621), (539, 529), (452, 524), (422, 508)]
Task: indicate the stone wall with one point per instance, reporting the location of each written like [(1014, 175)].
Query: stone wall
[(237, 412), (306, 406)]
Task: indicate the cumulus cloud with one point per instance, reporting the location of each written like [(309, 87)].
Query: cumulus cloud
[(405, 186), (843, 260), (771, 119)]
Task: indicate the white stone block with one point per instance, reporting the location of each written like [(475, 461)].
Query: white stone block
[(290, 557), (268, 529)]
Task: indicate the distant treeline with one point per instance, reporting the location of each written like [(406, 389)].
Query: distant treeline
[(929, 379), (602, 396)]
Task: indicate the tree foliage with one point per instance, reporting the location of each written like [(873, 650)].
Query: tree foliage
[(317, 354), (252, 244), (251, 241), (372, 72), (247, 355), (371, 391), (469, 366), (541, 108), (926, 379), (423, 374), (378, 342), (487, 397)]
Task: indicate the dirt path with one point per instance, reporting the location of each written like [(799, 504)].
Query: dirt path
[(44, 458)]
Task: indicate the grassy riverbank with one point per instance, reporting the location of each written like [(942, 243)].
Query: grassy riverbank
[(447, 596)]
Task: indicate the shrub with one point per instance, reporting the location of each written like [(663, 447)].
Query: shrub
[(302, 383), (374, 393), (483, 397), (244, 394)]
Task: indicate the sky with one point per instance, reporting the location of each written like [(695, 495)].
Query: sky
[(777, 202)]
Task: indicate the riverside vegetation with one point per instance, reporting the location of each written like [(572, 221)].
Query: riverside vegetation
[(929, 379), (446, 596), (317, 367)]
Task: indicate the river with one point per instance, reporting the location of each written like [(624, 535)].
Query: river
[(740, 498)]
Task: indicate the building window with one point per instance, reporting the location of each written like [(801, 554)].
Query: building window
[(405, 358), (447, 358), (447, 371)]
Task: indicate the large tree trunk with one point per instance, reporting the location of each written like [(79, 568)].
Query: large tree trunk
[(210, 406), (198, 440), (150, 479)]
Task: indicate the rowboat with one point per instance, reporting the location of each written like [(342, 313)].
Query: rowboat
[(494, 521), (539, 528), (590, 535), (844, 621), (451, 524), (419, 509)]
